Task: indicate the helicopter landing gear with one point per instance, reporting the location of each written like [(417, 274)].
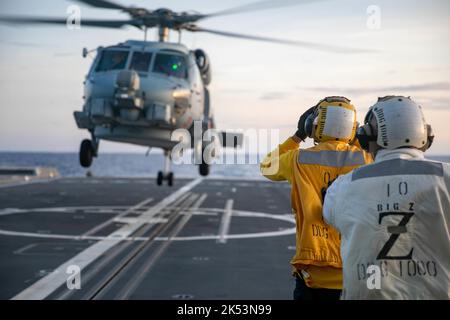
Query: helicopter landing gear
[(167, 174), (88, 150), (203, 169), (161, 177)]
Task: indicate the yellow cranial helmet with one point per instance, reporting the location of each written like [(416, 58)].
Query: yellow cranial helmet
[(333, 119)]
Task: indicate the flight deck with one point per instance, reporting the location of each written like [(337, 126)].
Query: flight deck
[(127, 238)]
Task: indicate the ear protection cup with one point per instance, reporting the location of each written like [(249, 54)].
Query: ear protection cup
[(430, 138), (363, 138), (365, 133)]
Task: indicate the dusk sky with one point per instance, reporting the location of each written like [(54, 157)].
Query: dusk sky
[(255, 85)]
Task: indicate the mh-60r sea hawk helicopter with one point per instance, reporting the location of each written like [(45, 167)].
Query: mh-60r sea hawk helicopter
[(139, 92)]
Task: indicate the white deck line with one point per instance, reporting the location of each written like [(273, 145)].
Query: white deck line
[(95, 229), (225, 222)]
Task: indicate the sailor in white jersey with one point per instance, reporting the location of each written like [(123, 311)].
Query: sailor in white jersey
[(394, 214)]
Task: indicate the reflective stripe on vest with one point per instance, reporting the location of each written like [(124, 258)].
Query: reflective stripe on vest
[(398, 167), (331, 158)]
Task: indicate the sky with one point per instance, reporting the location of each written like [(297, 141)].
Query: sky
[(254, 85)]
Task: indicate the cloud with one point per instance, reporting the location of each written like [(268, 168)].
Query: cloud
[(236, 91), (433, 103), (64, 54), (23, 44), (407, 89), (273, 95), (438, 105)]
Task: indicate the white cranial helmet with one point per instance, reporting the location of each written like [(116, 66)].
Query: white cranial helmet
[(400, 123)]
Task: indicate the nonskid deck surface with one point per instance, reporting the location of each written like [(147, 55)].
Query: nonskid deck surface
[(130, 239)]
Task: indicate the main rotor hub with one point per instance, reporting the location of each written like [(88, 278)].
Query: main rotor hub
[(164, 12)]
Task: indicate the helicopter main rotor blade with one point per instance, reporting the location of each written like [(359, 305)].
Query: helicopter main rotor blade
[(259, 5), (103, 4), (84, 22), (254, 6), (106, 4), (305, 44)]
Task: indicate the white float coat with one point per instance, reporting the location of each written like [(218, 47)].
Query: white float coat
[(394, 214)]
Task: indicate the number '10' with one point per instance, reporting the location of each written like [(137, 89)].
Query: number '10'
[(402, 189)]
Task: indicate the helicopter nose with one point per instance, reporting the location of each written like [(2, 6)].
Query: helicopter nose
[(168, 108), (182, 100), (128, 98), (182, 97)]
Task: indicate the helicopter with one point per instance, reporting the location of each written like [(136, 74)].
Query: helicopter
[(139, 92)]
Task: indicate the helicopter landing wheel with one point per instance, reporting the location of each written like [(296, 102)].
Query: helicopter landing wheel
[(86, 153), (203, 169), (169, 177), (159, 178)]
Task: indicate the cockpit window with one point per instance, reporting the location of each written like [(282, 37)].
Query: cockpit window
[(171, 65), (141, 61), (112, 60)]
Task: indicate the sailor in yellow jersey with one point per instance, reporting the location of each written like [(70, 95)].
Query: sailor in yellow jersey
[(317, 264)]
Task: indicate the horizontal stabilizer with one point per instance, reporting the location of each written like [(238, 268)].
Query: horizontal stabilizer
[(82, 119)]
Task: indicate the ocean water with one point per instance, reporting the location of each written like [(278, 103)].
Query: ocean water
[(128, 165), (119, 165)]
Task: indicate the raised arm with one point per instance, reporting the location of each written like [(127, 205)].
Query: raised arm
[(277, 165)]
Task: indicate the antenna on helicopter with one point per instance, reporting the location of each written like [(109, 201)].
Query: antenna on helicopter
[(166, 20)]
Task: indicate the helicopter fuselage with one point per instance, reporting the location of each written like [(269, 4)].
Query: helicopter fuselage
[(139, 92)]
